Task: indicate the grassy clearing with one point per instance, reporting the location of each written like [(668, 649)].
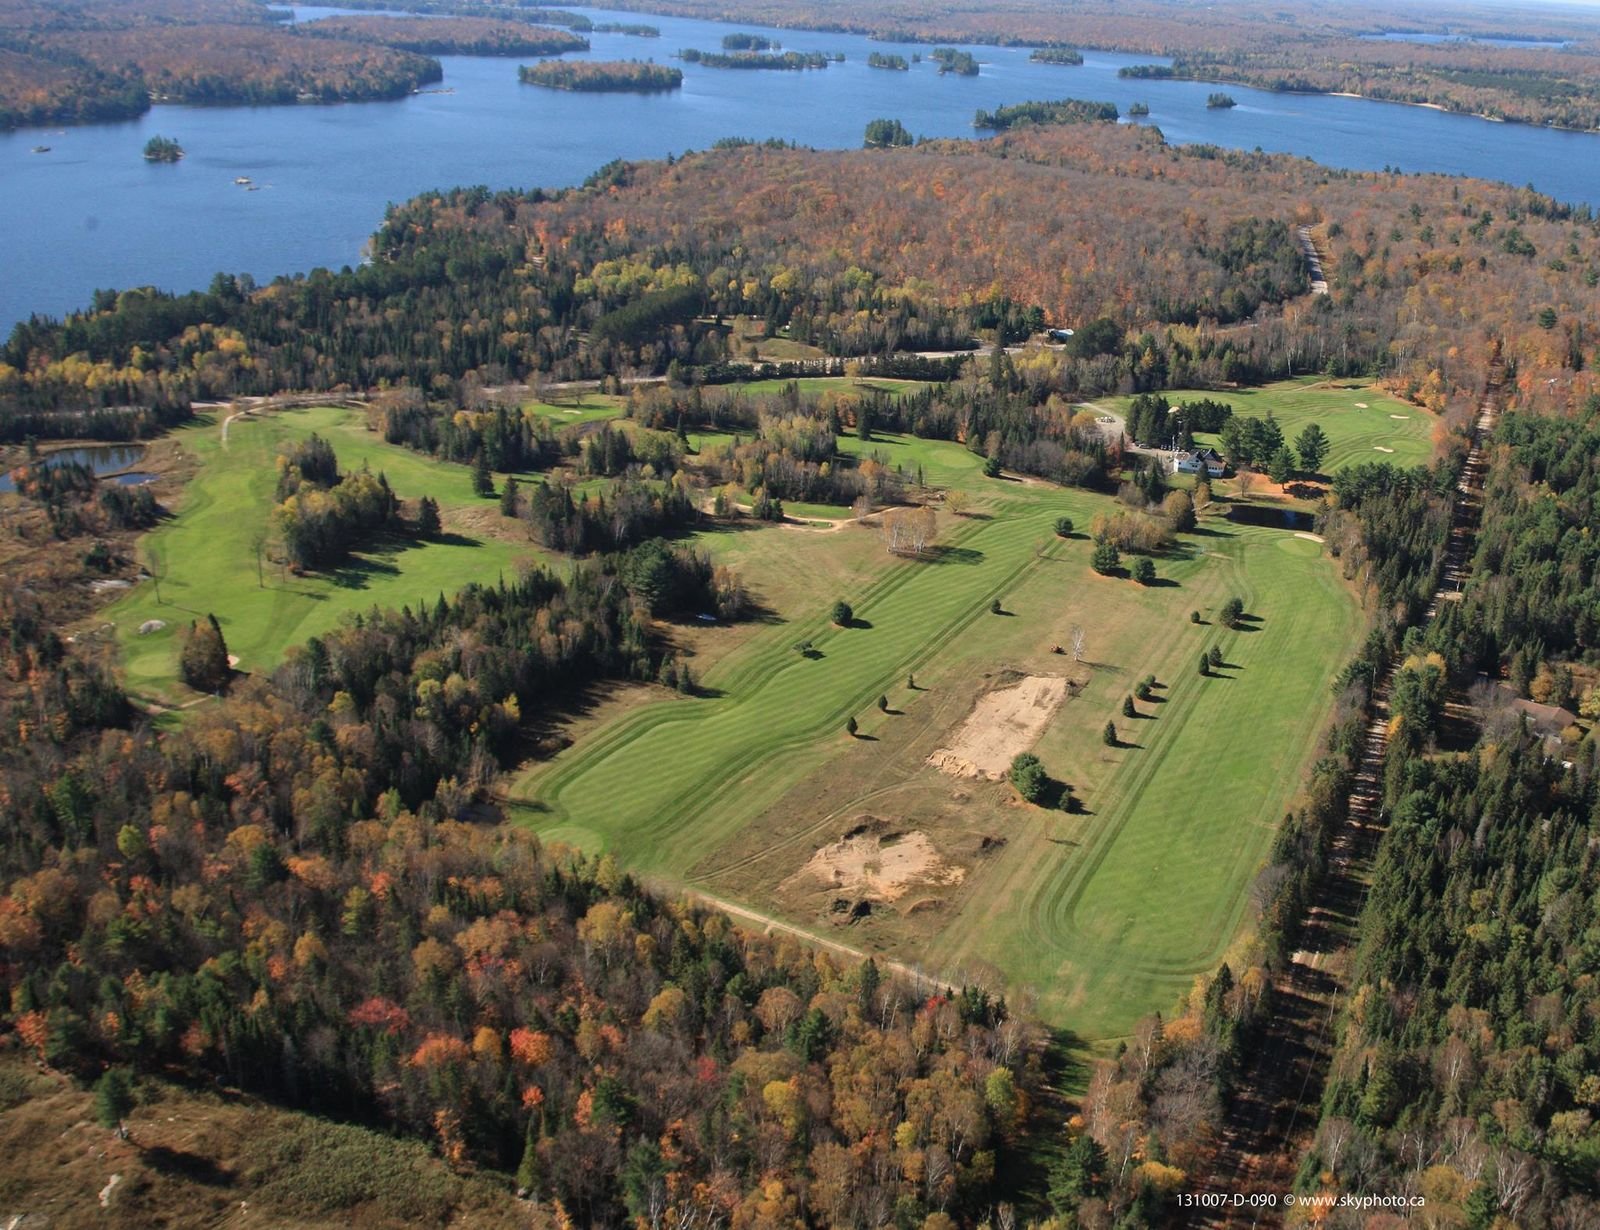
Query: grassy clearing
[(590, 408), (206, 558), (1101, 915), (1362, 422)]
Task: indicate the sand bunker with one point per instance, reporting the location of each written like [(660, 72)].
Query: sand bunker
[(1399, 416), (881, 866), (1381, 449), (1001, 724), (1361, 405)]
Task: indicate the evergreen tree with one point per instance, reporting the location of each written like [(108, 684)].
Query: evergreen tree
[(1105, 559), (850, 727), (843, 614), (428, 525), (482, 479), (1078, 1175), (113, 1097), (203, 661), (510, 503), (1312, 445), (1144, 571), (1128, 709), (1110, 734)]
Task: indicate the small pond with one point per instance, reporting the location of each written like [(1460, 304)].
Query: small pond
[(103, 459)]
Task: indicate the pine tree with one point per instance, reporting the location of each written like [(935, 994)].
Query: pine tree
[(482, 479), (203, 662), (510, 503), (850, 727), (428, 517), (1110, 734)]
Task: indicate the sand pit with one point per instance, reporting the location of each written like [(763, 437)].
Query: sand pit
[(1001, 724), (1399, 416), (1380, 448), (880, 866), (1361, 405)]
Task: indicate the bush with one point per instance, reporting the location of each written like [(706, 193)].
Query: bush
[(1145, 687), (1216, 655), (1232, 609), (995, 608), (1105, 559), (1064, 527), (1144, 571), (1028, 776), (843, 615), (1194, 617), (991, 467)]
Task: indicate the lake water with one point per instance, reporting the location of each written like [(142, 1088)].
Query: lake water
[(93, 213), (103, 459)]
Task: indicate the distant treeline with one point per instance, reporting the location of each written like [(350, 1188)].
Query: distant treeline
[(450, 36)]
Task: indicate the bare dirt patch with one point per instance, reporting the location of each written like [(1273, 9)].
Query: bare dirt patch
[(1002, 724), (872, 864)]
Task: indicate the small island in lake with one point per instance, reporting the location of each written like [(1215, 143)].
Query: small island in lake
[(949, 60), (898, 63), (761, 59), (1056, 55), (1062, 111), (162, 149), (619, 76), (1137, 110), (1220, 102), (635, 28)]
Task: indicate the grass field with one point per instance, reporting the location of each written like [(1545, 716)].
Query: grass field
[(1362, 422), (206, 562), (1101, 915), (590, 408)]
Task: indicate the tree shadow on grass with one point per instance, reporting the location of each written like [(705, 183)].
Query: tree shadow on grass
[(182, 1165), (864, 738), (951, 555)]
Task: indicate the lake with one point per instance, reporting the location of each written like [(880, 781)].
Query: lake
[(93, 213)]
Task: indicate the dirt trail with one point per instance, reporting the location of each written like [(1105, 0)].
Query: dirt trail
[(769, 924), (1265, 1126)]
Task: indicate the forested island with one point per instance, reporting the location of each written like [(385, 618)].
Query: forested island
[(1056, 55), (1061, 111), (637, 29), (950, 60), (1219, 101), (162, 149), (602, 75), (897, 63), (785, 60)]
